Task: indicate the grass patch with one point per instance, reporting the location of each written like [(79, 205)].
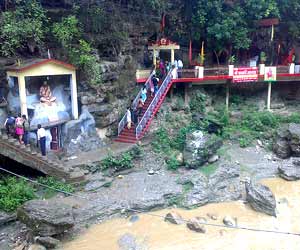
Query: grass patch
[(253, 125), (54, 183), (121, 162), (14, 192), (187, 186), (209, 169)]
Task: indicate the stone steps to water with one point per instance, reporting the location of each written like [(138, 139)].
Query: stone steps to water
[(11, 148)]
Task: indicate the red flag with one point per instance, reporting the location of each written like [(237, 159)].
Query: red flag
[(163, 22), (190, 52)]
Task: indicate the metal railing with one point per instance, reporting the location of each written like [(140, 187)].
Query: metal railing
[(123, 121), (153, 104)]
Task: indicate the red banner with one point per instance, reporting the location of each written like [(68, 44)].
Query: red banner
[(245, 74)]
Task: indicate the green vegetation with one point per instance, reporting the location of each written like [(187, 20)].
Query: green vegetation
[(22, 28), (122, 162), (208, 169), (197, 102), (14, 192), (68, 33), (54, 183), (170, 146), (253, 124)]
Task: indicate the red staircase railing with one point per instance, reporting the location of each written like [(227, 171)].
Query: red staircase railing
[(154, 106)]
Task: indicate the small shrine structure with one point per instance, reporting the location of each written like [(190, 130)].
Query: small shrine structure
[(21, 74), (163, 44)]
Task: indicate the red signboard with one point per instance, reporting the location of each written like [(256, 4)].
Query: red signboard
[(245, 74)]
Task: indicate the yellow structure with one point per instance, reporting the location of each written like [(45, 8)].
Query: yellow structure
[(43, 67), (163, 44)]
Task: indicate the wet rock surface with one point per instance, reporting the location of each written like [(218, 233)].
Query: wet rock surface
[(229, 221), (6, 218), (129, 242), (199, 148), (223, 185), (174, 218), (48, 242), (195, 225), (291, 170), (46, 217), (260, 198), (80, 135), (287, 142)]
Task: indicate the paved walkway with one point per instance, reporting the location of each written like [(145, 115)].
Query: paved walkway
[(114, 148)]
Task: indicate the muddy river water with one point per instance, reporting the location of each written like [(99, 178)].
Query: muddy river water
[(153, 233)]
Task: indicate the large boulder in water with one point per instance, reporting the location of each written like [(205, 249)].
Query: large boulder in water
[(290, 171), (294, 138), (46, 217), (199, 147), (281, 148), (287, 142), (261, 198)]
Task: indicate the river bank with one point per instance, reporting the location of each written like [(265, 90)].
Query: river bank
[(150, 232)]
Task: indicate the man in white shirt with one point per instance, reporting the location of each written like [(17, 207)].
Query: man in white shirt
[(41, 135), (180, 67)]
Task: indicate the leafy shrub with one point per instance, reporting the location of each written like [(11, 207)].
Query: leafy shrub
[(172, 163), (14, 192), (23, 26), (197, 102), (69, 32), (161, 142), (118, 163), (54, 183)]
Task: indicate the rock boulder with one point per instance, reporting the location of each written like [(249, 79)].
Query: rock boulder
[(199, 148), (174, 218), (6, 218), (195, 225), (290, 171), (294, 138), (261, 198), (46, 217), (48, 242)]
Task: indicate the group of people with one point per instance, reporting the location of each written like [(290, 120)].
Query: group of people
[(19, 127), (164, 67), (133, 114)]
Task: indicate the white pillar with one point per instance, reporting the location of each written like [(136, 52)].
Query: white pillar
[(73, 87), (22, 95), (154, 57), (269, 96), (200, 72), (172, 56), (292, 68), (230, 73), (227, 96), (261, 69)]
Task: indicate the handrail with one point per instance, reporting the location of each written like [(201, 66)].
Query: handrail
[(123, 121), (152, 105)]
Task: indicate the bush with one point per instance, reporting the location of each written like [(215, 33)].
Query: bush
[(14, 192), (21, 27), (69, 33), (172, 163), (197, 102), (54, 183), (118, 163)]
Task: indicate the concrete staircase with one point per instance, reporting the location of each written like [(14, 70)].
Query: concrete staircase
[(151, 107), (12, 149), (128, 136)]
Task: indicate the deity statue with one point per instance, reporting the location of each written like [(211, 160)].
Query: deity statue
[(45, 93)]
